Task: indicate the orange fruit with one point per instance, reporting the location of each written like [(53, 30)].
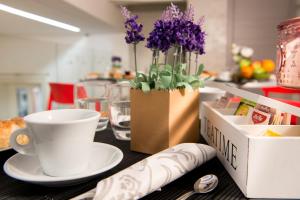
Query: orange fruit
[(268, 65), (256, 64), (246, 72)]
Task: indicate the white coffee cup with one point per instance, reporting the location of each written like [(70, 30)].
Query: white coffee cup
[(62, 139)]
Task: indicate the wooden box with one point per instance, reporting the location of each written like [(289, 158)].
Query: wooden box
[(161, 119)]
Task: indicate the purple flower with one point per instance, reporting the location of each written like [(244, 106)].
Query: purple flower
[(133, 29), (195, 39), (175, 11), (125, 12), (172, 12), (175, 28), (182, 32), (189, 14), (201, 21), (161, 37)]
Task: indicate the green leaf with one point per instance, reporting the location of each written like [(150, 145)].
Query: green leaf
[(152, 75), (145, 87), (200, 69), (180, 69), (165, 73), (138, 85), (183, 66), (190, 79), (160, 77), (185, 85), (168, 68), (201, 83), (197, 84), (165, 81), (152, 84), (179, 77), (153, 69), (141, 77)]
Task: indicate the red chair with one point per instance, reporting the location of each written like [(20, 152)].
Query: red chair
[(63, 93), (282, 90)]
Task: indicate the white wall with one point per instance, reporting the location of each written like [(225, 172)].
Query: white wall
[(254, 24), (30, 61), (63, 59), (103, 10), (216, 27)]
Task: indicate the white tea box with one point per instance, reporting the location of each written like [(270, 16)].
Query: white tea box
[(261, 166)]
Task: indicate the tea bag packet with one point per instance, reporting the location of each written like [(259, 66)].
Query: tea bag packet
[(268, 110), (224, 101), (270, 133), (286, 119), (244, 107), (263, 108), (277, 117), (258, 117), (154, 172)]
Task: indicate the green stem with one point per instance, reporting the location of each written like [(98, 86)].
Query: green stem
[(135, 60), (196, 61), (156, 57), (156, 60), (166, 57), (190, 54), (180, 55), (174, 63), (153, 56)]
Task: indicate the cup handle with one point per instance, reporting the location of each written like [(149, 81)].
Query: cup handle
[(26, 149)]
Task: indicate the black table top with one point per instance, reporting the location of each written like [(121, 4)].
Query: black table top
[(13, 189)]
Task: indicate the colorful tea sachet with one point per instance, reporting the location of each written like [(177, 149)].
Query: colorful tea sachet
[(258, 117), (271, 133), (262, 115), (244, 107), (224, 101)]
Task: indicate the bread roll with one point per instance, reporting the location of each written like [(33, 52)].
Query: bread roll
[(7, 127)]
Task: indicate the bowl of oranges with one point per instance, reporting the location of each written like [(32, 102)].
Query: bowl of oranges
[(249, 69)]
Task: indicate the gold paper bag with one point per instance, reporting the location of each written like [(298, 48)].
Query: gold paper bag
[(161, 119)]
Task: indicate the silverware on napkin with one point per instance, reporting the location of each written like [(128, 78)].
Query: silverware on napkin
[(152, 173), (203, 185)]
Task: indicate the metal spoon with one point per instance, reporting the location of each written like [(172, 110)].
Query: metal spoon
[(203, 185)]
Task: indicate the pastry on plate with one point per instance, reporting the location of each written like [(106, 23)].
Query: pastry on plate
[(6, 129)]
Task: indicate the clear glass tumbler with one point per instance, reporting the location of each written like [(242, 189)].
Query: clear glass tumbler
[(119, 110), (93, 95)]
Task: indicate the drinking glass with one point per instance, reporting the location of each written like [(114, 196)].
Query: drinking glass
[(119, 110), (93, 95)]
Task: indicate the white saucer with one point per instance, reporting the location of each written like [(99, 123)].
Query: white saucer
[(27, 168), (5, 149)]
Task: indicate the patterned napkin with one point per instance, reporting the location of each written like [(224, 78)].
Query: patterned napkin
[(152, 173)]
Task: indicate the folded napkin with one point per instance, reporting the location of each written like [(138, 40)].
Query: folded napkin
[(153, 172)]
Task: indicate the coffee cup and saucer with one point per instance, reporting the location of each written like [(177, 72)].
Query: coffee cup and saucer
[(60, 150)]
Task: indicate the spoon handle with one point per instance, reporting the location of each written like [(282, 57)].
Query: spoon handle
[(186, 195)]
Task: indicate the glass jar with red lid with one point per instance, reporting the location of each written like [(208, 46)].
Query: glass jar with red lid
[(288, 53)]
